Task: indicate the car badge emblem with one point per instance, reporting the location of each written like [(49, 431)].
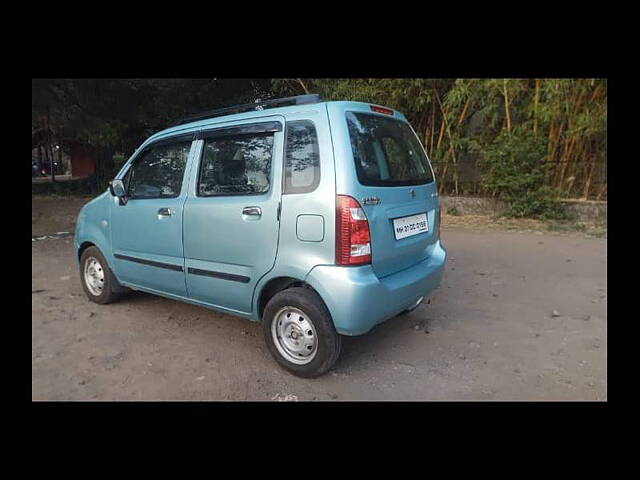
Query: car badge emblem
[(413, 193), (371, 201)]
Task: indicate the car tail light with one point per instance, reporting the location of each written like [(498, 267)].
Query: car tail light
[(353, 240), (377, 109)]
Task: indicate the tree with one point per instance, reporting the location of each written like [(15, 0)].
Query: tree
[(464, 122), (117, 115)]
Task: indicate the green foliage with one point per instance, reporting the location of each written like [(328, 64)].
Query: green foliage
[(542, 203), (411, 96), (461, 122), (500, 130), (77, 187), (119, 114), (453, 211), (515, 171), (118, 160)]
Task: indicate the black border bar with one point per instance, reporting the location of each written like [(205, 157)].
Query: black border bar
[(224, 276), (168, 266), (255, 128), (193, 271)]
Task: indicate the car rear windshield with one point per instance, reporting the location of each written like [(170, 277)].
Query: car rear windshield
[(386, 151)]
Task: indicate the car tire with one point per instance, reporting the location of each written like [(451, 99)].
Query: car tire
[(299, 332), (98, 282)]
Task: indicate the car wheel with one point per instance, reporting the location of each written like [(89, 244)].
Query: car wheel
[(96, 277), (299, 332)]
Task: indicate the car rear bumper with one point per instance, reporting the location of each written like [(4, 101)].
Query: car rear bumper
[(358, 300)]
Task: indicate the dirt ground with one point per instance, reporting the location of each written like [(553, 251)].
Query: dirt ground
[(489, 333)]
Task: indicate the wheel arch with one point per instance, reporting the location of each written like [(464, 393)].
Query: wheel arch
[(276, 285), (84, 246)]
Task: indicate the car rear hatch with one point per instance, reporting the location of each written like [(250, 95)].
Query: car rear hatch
[(400, 197)]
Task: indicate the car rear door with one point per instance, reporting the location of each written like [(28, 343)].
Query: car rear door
[(231, 216), (387, 171)]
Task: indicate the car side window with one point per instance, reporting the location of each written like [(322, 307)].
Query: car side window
[(236, 165), (302, 158), (158, 172)]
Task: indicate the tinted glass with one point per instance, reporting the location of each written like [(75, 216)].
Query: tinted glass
[(236, 165), (386, 151), (302, 160), (158, 172)]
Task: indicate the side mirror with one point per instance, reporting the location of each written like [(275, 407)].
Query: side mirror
[(116, 187)]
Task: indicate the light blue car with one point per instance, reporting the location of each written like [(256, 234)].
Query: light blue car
[(318, 219)]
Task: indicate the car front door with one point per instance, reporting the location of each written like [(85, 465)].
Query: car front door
[(231, 216), (146, 231)]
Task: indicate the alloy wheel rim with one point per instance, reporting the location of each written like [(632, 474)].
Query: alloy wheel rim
[(94, 276), (294, 335)]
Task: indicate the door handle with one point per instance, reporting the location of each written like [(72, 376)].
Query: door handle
[(255, 211), (164, 212)]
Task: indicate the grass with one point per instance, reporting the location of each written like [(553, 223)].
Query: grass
[(493, 222)]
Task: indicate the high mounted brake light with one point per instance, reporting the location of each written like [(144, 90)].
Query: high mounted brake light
[(377, 109), (353, 240)]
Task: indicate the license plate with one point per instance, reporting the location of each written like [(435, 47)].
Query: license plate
[(409, 226)]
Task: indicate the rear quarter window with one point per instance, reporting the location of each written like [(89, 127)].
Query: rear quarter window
[(302, 157)]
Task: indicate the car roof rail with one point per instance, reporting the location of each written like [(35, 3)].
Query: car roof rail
[(247, 107)]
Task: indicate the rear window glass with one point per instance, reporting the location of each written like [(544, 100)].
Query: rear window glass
[(386, 151)]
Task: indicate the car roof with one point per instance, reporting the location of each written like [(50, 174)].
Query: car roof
[(248, 115)]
